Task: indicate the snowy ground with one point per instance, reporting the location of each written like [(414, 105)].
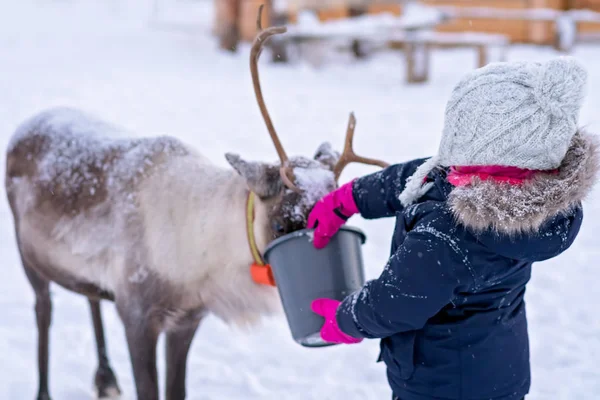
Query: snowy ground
[(169, 78)]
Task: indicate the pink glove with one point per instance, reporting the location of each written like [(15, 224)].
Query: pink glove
[(331, 332), (330, 213)]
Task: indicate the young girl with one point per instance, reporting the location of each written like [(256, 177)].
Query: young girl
[(503, 192)]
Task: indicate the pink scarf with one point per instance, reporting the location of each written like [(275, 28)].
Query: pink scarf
[(462, 176)]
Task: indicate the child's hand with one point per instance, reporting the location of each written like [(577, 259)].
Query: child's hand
[(330, 213), (331, 332)]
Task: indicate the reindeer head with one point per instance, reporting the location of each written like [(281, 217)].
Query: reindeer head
[(291, 187)]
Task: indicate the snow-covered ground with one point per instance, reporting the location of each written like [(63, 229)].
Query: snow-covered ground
[(168, 77)]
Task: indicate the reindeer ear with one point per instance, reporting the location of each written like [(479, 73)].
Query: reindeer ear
[(261, 178), (327, 155)]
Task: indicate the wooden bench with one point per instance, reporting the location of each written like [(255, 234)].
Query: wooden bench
[(355, 32), (417, 47), (411, 32), (564, 21)]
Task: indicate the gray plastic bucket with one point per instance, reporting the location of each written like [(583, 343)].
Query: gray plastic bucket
[(304, 273)]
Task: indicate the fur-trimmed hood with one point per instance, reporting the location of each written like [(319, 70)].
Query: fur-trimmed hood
[(511, 209)]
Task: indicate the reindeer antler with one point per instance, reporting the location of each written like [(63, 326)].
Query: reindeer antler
[(287, 175), (348, 155)]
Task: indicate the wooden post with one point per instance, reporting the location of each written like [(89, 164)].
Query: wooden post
[(279, 43), (482, 56), (417, 62), (356, 11), (565, 33), (248, 14), (227, 16)]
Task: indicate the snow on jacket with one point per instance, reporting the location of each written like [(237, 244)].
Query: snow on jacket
[(449, 304)]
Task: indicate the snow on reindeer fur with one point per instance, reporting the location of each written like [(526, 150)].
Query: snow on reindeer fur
[(152, 214), (76, 150), (315, 181)]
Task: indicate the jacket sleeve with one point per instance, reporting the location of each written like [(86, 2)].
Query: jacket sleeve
[(376, 195), (420, 278), (565, 228)]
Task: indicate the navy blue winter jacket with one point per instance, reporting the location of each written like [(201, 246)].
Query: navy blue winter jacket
[(449, 305)]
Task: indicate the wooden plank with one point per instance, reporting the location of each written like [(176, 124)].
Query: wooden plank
[(334, 10), (532, 21), (329, 14), (324, 14), (593, 5), (458, 39), (507, 4), (378, 8), (588, 27), (557, 4), (517, 31)]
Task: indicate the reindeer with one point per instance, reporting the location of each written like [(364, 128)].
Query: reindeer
[(153, 226)]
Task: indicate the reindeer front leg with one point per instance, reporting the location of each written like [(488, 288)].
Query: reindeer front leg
[(178, 345), (141, 330)]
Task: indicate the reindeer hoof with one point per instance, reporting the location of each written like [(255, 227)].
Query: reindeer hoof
[(43, 396), (106, 384), (110, 393)]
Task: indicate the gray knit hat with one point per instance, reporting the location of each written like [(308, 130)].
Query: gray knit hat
[(520, 114)]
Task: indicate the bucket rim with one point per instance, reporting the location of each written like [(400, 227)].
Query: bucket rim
[(306, 231)]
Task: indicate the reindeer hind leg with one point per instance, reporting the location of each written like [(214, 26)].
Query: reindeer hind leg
[(105, 379), (43, 316)]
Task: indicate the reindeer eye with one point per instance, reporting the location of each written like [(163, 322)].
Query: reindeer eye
[(277, 227)]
